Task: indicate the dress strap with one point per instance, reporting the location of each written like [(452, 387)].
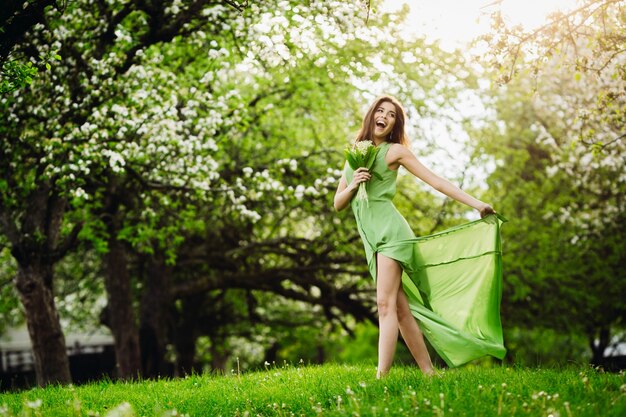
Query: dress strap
[(385, 147)]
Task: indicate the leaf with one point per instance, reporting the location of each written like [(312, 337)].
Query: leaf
[(351, 161), (376, 175), (57, 57), (371, 161), (48, 66)]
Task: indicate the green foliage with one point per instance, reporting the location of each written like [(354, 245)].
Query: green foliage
[(361, 348), (10, 310), (335, 345), (80, 298), (336, 390), (537, 347), (16, 74), (564, 246)]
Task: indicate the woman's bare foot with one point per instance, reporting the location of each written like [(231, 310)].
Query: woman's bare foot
[(432, 372)]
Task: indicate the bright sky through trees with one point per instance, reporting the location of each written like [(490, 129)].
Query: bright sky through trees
[(456, 22)]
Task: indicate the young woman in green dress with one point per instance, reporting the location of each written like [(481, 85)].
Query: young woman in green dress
[(390, 243)]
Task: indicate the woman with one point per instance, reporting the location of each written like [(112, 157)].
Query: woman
[(396, 257)]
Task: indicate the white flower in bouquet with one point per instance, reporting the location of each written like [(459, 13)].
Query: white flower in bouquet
[(362, 155)]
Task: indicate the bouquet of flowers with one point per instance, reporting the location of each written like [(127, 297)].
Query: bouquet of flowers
[(362, 155)]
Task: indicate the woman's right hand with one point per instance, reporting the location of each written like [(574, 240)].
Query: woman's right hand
[(360, 175), (486, 210)]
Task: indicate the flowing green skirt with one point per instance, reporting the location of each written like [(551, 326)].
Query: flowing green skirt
[(453, 281)]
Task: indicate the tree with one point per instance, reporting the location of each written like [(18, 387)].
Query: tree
[(180, 172), (49, 153), (589, 41), (565, 249)]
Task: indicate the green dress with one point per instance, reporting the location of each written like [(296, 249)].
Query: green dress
[(452, 279)]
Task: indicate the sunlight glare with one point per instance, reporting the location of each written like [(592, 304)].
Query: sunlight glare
[(456, 22)]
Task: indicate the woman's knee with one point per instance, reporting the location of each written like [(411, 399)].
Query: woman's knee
[(385, 306), (387, 284), (404, 313)]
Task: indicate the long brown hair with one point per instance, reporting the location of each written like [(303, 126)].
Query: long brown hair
[(398, 135)]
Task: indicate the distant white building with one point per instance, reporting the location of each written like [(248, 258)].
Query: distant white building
[(617, 347), (91, 355)]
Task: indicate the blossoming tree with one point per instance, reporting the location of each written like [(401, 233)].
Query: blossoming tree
[(188, 149)]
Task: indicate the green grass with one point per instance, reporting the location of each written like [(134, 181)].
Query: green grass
[(339, 390)]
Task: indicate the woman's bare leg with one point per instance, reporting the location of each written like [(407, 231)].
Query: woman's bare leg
[(388, 278), (412, 334)]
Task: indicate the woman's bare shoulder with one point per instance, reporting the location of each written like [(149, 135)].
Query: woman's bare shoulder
[(398, 150), (395, 153)]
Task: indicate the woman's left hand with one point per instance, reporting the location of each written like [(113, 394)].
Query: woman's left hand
[(486, 210)]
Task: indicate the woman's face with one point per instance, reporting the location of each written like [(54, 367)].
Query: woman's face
[(384, 119)]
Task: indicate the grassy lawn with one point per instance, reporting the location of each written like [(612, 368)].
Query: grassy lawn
[(339, 390)]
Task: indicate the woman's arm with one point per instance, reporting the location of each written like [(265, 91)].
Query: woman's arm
[(400, 155), (345, 191)]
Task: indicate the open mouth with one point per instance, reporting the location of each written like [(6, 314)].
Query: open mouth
[(381, 124)]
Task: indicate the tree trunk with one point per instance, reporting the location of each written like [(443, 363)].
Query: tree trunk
[(35, 246), (271, 353), (185, 334), (44, 328), (321, 353), (185, 352), (219, 357), (120, 309), (154, 319), (599, 345)]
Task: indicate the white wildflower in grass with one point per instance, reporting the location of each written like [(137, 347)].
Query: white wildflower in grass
[(362, 155), (34, 404), (122, 410), (173, 413)]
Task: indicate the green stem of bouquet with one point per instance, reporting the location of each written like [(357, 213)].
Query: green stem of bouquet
[(362, 193)]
